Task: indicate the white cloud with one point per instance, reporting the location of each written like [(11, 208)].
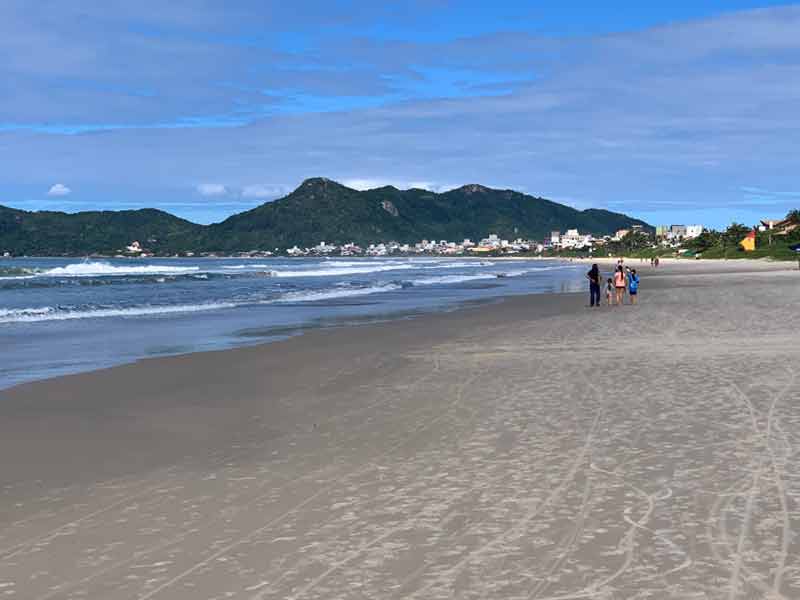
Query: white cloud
[(264, 190), (59, 189), (212, 189)]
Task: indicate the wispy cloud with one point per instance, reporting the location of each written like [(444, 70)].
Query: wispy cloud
[(264, 190), (211, 189), (761, 192)]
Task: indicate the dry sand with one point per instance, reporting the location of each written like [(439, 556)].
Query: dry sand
[(529, 449)]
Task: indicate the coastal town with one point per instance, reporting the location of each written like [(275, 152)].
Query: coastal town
[(667, 236), (775, 237)]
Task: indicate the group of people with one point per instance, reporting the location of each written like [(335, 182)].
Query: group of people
[(624, 280)]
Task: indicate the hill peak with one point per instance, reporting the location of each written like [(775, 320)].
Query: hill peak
[(320, 183), (473, 188)]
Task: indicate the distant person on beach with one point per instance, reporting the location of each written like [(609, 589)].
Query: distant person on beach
[(656, 261), (594, 285), (633, 286), (620, 284), (609, 291)]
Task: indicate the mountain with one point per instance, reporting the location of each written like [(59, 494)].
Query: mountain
[(319, 209), (48, 233)]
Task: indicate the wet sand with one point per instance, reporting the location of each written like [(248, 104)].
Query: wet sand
[(534, 448)]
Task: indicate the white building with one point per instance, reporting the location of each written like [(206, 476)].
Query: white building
[(574, 239), (693, 231), (678, 231), (493, 241), (323, 248), (134, 248)]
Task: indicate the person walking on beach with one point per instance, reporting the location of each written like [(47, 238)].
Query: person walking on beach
[(633, 286), (609, 291), (594, 285), (619, 284)]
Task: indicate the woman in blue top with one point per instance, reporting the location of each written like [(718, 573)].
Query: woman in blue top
[(633, 285)]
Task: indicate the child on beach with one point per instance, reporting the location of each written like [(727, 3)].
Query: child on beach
[(633, 286), (609, 291), (620, 283)]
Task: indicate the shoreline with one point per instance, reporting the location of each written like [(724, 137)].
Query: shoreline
[(280, 333), (145, 317)]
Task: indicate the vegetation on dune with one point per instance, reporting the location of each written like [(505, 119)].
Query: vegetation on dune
[(715, 244)]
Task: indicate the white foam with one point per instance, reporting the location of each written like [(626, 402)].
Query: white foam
[(336, 271), (339, 268), (33, 315), (459, 265), (445, 279), (48, 313), (100, 269), (7, 313), (314, 296), (243, 267)]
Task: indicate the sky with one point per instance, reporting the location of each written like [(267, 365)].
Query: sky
[(679, 112)]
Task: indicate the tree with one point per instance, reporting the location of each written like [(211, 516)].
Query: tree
[(706, 240), (735, 233)]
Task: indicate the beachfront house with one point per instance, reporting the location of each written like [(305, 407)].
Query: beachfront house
[(778, 226)]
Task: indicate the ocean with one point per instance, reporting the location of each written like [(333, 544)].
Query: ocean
[(60, 316)]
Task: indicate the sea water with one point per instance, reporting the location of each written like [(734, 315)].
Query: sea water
[(60, 316)]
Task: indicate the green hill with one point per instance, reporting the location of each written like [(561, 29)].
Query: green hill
[(47, 233), (320, 209)]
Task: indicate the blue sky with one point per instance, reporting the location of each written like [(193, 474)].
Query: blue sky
[(672, 112)]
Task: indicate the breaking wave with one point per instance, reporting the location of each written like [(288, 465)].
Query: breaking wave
[(101, 269), (47, 313)]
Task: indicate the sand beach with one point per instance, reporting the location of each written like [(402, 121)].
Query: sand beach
[(528, 449)]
